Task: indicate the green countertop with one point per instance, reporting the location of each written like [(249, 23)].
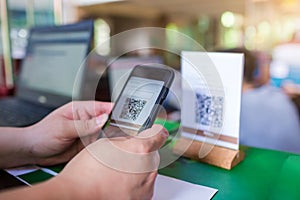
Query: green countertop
[(263, 174)]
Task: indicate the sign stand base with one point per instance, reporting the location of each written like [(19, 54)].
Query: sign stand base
[(218, 156)]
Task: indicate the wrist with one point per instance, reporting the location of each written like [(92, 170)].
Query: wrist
[(70, 188), (63, 189), (28, 142), (14, 147)]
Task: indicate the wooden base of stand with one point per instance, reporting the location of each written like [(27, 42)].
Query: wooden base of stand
[(218, 156)]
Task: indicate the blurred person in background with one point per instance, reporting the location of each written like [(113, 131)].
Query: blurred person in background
[(269, 119), (285, 67)]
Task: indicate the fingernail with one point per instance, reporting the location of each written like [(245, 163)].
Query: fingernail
[(165, 133), (100, 120)]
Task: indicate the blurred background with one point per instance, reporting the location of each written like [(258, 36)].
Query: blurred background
[(256, 24)]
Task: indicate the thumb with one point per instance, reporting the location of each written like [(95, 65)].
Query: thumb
[(90, 126), (153, 138)]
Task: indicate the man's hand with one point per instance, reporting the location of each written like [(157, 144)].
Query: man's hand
[(127, 172), (90, 176), (55, 139)]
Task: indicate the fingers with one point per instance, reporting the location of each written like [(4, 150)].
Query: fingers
[(118, 155), (154, 138), (91, 108), (90, 126), (87, 117), (147, 189), (84, 109), (102, 107), (132, 155)]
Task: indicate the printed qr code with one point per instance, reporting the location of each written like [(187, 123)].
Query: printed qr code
[(132, 108), (209, 110)]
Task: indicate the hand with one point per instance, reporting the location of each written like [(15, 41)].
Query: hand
[(290, 89), (88, 176), (55, 139)]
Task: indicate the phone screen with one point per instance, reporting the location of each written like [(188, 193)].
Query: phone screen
[(136, 102), (139, 102)]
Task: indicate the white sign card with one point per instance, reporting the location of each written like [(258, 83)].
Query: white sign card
[(211, 97)]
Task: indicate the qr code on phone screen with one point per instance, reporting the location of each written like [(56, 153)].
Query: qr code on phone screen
[(132, 108), (209, 110)]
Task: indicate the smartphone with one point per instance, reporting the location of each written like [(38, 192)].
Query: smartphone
[(139, 101)]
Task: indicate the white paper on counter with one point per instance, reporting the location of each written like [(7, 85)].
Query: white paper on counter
[(175, 189)]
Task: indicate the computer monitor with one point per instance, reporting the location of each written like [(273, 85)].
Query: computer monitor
[(53, 58)]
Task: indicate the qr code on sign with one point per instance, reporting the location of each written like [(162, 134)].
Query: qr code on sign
[(132, 108), (209, 110)]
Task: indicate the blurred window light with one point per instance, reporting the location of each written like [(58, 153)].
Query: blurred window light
[(289, 5), (289, 25), (203, 24), (172, 26), (232, 38), (250, 33), (92, 2), (23, 33), (172, 36), (228, 19), (264, 28), (233, 29), (102, 35)]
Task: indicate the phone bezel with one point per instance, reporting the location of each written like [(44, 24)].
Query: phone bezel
[(154, 72)]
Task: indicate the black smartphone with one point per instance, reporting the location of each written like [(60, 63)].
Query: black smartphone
[(139, 101)]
